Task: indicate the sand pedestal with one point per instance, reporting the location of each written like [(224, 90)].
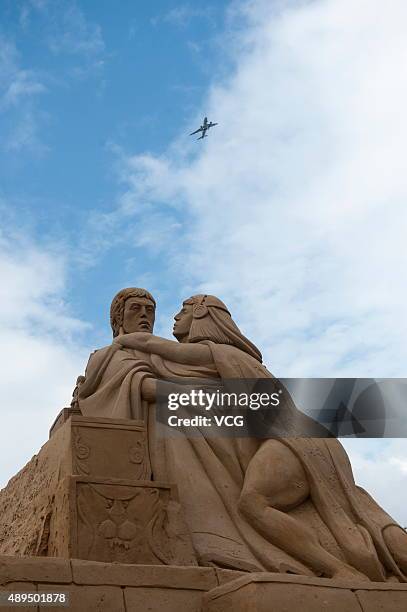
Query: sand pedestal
[(83, 517)]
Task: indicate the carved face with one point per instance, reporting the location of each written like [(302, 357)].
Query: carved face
[(183, 322), (139, 315)]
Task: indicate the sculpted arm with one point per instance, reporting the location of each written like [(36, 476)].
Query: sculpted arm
[(192, 354)]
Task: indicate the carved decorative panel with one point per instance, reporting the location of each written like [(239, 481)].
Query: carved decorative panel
[(128, 522), (110, 449)]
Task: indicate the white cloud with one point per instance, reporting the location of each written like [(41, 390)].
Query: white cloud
[(73, 33), (67, 31), (25, 135), (301, 188), (380, 467), (16, 83), (295, 206), (23, 84), (40, 354), (182, 15), (19, 88), (400, 463)]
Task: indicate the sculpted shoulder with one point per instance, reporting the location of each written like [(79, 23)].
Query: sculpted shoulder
[(101, 352), (98, 356)]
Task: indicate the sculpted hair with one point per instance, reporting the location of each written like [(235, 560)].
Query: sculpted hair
[(212, 321), (117, 306)]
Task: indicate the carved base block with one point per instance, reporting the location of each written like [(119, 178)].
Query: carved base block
[(264, 592), (109, 448), (112, 587), (62, 418), (120, 521), (88, 494)]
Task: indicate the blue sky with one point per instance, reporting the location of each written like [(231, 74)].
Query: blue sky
[(101, 80), (292, 211)]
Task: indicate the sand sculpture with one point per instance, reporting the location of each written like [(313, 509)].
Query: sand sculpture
[(271, 516)]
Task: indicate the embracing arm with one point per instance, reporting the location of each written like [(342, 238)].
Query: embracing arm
[(192, 354)]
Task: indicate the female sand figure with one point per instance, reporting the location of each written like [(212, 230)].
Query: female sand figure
[(286, 504)]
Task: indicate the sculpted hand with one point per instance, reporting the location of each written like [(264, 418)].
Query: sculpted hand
[(136, 340)]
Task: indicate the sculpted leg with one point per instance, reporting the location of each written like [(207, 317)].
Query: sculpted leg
[(275, 482)]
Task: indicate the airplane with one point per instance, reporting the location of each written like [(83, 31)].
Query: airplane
[(204, 128)]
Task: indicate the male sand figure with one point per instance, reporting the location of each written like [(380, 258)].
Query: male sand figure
[(287, 504), (114, 375)]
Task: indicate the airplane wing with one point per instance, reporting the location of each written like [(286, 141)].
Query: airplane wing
[(212, 124), (196, 131)]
